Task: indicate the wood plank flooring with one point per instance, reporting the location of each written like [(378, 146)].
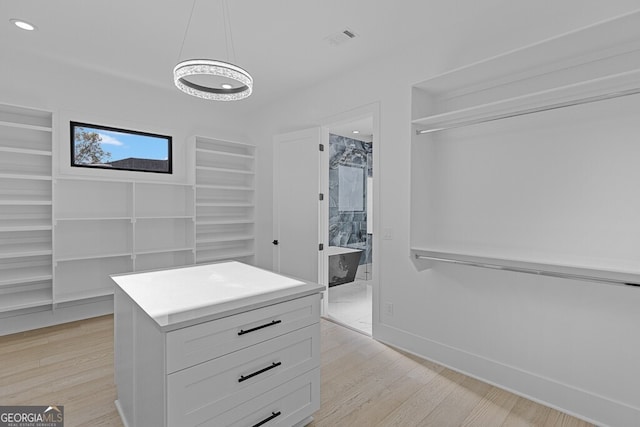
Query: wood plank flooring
[(364, 383)]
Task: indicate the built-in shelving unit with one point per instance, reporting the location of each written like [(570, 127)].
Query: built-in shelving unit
[(600, 62), (108, 227), (500, 154), (584, 92), (62, 235), (25, 208), (224, 200)]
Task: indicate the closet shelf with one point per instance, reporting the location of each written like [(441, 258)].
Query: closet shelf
[(564, 271), (75, 296), (15, 279), (70, 258), (129, 182), (161, 184), (164, 250), (224, 153), (22, 300), (74, 179), (25, 202), (229, 255), (26, 176), (25, 151), (226, 239), (25, 126), (21, 254), (214, 169), (226, 204), (25, 228), (21, 197), (150, 217), (226, 222), (86, 218), (595, 90), (224, 187)]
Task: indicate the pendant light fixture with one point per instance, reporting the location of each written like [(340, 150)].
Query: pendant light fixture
[(213, 79)]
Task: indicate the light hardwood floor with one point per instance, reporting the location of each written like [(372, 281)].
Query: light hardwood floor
[(364, 382)]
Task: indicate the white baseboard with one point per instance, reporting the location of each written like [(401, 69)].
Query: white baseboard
[(55, 316), (121, 413), (579, 403)]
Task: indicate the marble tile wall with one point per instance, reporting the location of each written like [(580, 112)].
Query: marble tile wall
[(348, 227)]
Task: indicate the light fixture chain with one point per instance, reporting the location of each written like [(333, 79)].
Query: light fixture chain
[(186, 30), (183, 71), (228, 33)]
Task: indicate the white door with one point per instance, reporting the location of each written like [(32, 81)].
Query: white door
[(296, 204)]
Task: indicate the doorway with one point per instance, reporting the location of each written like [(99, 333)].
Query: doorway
[(349, 227), (302, 245)]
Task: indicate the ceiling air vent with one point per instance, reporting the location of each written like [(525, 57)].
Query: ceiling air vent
[(340, 37)]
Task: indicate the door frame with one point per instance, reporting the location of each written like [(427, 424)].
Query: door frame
[(372, 111)]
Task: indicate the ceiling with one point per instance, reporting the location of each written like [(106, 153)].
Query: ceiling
[(282, 43)]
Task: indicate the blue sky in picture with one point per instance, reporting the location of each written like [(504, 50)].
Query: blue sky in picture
[(124, 145)]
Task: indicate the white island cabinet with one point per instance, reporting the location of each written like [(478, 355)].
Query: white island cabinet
[(223, 344)]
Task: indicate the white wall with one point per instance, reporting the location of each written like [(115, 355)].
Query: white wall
[(569, 344), (88, 94)]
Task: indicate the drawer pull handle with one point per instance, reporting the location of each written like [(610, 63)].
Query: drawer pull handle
[(266, 325), (269, 418), (263, 370)]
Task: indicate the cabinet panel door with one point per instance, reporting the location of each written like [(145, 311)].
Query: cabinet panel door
[(200, 343), (213, 387), (283, 406)]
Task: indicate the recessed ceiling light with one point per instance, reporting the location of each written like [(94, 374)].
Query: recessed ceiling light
[(226, 86), (356, 131), (22, 24)]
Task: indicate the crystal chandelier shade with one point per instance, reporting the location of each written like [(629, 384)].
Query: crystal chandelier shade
[(213, 79), (208, 67)]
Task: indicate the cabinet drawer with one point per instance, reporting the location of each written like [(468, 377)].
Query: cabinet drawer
[(213, 387), (200, 343), (282, 406)]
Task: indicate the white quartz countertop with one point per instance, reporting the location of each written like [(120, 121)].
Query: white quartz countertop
[(185, 294)]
